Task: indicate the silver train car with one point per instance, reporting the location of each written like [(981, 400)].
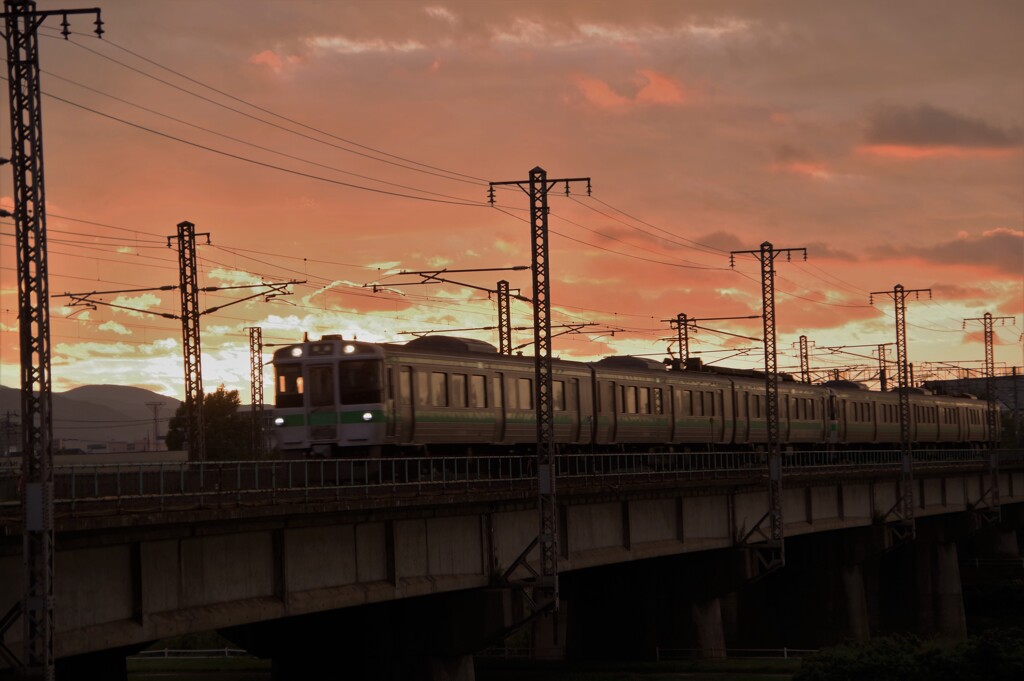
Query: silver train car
[(454, 396)]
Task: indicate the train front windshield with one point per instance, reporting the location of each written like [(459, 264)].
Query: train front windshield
[(359, 382), (289, 386)]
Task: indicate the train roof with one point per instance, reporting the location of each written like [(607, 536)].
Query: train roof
[(453, 344), (844, 384), (630, 362)]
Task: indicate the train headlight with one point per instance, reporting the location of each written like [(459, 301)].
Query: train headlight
[(279, 421), (296, 352), (349, 349), (367, 416)]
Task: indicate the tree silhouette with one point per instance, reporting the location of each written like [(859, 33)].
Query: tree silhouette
[(228, 433)]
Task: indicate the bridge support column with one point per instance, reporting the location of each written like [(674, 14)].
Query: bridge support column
[(940, 602), (920, 587), (548, 634), (709, 633), (636, 610), (819, 598)]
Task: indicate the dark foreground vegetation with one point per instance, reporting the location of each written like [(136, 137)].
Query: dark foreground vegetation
[(993, 655)]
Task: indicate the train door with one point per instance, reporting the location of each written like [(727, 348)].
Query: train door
[(498, 404), (323, 414), (405, 419), (612, 405), (743, 416), (572, 405)]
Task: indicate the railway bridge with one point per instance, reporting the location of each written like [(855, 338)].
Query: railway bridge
[(395, 568)]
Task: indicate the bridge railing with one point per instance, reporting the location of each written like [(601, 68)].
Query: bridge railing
[(169, 485)]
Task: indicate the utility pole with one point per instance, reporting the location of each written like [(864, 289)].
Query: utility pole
[(988, 321), (773, 554), (805, 361), (256, 393), (546, 581), (990, 500), (904, 528), (881, 367), (21, 25), (155, 406), (682, 324), (503, 292), (504, 319), (190, 340)]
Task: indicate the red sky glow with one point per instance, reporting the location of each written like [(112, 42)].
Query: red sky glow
[(340, 142)]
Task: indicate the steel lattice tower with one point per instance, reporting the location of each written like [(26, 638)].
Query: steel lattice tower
[(805, 361), (774, 553), (21, 23), (683, 338), (538, 186), (504, 319), (256, 392), (904, 508), (883, 385), (189, 288), (990, 500)]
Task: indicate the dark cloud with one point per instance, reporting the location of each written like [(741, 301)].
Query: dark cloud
[(819, 249), (786, 153), (1002, 249), (926, 125)]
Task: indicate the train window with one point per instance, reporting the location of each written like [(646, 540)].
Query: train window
[(405, 386), (477, 392), (686, 403), (321, 386), (708, 407), (656, 405), (525, 390), (697, 403), (498, 384), (360, 382), (289, 386), (558, 395), (628, 398), (422, 388), (458, 390), (644, 403), (439, 389)]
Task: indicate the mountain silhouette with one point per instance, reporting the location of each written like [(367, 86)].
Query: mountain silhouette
[(96, 414)]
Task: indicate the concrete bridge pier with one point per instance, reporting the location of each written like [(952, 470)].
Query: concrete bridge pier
[(920, 587), (819, 598), (997, 541), (630, 611)]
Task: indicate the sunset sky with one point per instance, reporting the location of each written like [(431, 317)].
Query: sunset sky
[(339, 142)]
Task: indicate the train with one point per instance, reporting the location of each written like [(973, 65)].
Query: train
[(448, 395)]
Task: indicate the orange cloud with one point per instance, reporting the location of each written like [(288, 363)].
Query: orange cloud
[(656, 90), (659, 89), (273, 61), (600, 94), (817, 171), (907, 152)]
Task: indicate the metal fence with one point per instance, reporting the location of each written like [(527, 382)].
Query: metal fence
[(169, 485)]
